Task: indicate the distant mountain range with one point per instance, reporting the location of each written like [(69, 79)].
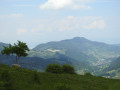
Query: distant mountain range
[(117, 44), (2, 44), (81, 49), (83, 54)]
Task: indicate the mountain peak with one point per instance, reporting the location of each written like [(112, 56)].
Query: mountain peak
[(78, 38)]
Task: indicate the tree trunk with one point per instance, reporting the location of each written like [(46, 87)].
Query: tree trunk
[(16, 60)]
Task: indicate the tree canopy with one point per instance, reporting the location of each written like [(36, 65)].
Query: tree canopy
[(19, 50), (56, 68)]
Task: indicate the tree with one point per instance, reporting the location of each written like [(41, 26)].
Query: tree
[(56, 68), (19, 50), (88, 74), (53, 68), (68, 69)]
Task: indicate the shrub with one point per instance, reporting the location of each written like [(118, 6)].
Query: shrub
[(62, 86), (89, 74), (54, 68), (68, 69)]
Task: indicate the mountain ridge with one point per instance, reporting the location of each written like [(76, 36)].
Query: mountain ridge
[(82, 44), (84, 55), (97, 54)]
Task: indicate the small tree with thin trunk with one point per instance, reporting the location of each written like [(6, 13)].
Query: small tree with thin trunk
[(18, 50)]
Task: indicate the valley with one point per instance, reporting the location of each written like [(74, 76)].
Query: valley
[(83, 54)]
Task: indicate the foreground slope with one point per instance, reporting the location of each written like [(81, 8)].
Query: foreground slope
[(23, 79)]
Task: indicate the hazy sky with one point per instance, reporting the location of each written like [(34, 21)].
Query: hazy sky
[(40, 21)]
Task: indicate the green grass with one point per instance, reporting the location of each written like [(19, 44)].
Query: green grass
[(12, 78)]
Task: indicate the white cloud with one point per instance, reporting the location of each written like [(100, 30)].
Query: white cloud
[(78, 23), (21, 31), (59, 4), (81, 7), (55, 4), (95, 24), (71, 23)]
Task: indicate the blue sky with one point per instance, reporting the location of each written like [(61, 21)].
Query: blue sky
[(40, 21)]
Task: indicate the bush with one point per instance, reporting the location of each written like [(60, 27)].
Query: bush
[(62, 86), (68, 69), (89, 74), (54, 68)]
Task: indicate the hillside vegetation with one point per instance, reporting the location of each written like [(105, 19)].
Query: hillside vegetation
[(12, 78), (96, 56), (84, 55), (113, 71)]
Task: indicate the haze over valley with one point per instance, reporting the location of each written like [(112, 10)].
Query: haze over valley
[(59, 44)]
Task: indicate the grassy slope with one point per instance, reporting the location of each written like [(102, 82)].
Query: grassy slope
[(23, 79)]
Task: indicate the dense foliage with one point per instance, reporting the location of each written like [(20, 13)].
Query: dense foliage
[(20, 50), (1, 46), (68, 69), (56, 68)]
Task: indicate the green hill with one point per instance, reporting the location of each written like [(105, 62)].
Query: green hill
[(12, 78), (115, 64), (95, 54), (83, 54), (81, 49), (39, 64), (113, 71)]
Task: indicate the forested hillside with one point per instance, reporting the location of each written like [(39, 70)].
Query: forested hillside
[(83, 54)]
